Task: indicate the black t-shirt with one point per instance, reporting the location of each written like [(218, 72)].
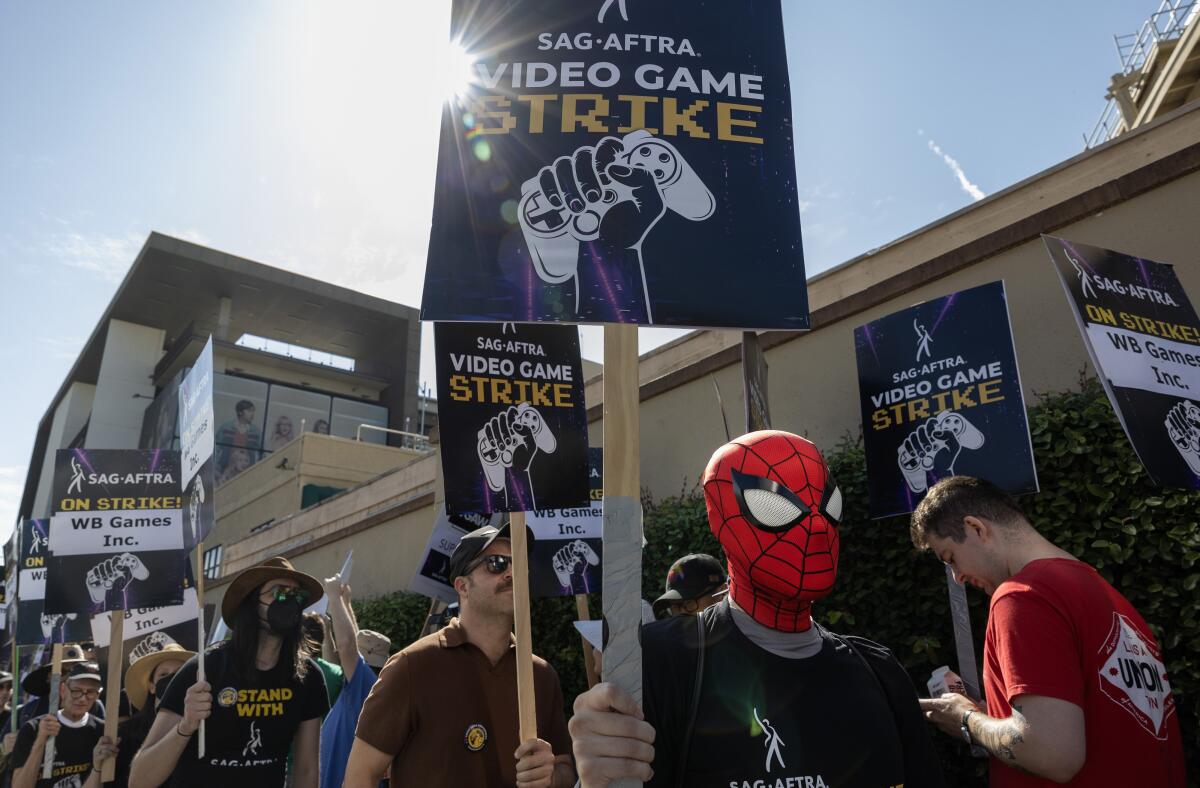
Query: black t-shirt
[(72, 751), (765, 721), (252, 723)]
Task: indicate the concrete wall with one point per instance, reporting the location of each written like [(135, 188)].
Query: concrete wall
[(268, 492), (125, 385), (69, 417)]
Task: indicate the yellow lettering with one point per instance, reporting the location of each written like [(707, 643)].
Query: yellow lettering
[(637, 113), (537, 110), (589, 120), (726, 122), (492, 108), (675, 121)]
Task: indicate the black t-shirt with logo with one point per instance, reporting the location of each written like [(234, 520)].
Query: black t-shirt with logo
[(838, 718), (252, 723), (73, 749)]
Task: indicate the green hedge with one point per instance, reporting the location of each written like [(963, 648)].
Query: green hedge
[(1098, 503)]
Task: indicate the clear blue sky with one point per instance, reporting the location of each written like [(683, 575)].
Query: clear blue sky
[(301, 133)]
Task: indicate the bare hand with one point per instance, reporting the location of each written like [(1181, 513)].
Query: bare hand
[(947, 711), (10, 741), (610, 737), (48, 726), (197, 705), (535, 764), (104, 749), (333, 586)]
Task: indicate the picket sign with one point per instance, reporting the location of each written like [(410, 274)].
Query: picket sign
[(55, 680), (526, 708), (116, 636), (621, 598), (199, 575)]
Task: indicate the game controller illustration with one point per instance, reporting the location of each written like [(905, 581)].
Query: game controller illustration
[(114, 574), (934, 447), (1183, 428), (511, 440), (573, 200), (53, 621), (570, 558)]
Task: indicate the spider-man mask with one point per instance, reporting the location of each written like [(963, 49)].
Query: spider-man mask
[(774, 507)]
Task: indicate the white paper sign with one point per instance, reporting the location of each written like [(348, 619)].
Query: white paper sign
[(134, 531), (142, 621)]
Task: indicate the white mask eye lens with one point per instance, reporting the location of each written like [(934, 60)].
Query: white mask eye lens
[(834, 508), (771, 509)]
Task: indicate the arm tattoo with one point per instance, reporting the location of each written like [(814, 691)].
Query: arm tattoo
[(1002, 737)]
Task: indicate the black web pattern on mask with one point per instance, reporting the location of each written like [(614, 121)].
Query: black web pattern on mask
[(781, 555)]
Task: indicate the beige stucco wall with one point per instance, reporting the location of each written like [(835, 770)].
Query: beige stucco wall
[(813, 383)]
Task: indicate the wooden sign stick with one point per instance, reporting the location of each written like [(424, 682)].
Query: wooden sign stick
[(589, 664), (622, 595), (526, 708), (116, 641), (199, 577), (55, 680)]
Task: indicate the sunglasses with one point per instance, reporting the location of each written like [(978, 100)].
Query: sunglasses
[(284, 593), (495, 564)]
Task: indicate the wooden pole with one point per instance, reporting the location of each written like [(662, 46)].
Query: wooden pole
[(526, 708), (199, 577), (116, 656), (55, 680), (436, 607), (589, 664), (622, 595)]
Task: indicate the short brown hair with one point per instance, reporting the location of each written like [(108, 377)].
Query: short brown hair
[(942, 511)]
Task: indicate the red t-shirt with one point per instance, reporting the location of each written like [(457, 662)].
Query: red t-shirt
[(1057, 629)]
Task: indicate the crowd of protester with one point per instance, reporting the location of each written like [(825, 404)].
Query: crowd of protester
[(742, 685)]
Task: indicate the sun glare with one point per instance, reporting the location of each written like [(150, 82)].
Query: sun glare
[(456, 69)]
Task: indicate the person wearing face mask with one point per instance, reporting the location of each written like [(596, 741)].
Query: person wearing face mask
[(262, 694), (444, 711), (752, 691), (145, 682)]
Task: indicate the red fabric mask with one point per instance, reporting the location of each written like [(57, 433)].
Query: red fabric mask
[(774, 508)]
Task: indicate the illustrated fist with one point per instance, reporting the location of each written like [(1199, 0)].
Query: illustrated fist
[(570, 557), (114, 574), (613, 192), (1183, 426), (53, 621), (934, 446), (511, 440)]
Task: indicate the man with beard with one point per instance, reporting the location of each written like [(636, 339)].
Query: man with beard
[(80, 746), (269, 694), (752, 691), (444, 711)]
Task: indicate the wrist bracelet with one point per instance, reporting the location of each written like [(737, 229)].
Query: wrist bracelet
[(966, 727), (181, 733)]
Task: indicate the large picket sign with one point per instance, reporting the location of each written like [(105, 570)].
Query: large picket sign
[(512, 416), (196, 428), (1144, 338), (432, 577), (940, 395), (116, 536), (35, 627), (614, 162)]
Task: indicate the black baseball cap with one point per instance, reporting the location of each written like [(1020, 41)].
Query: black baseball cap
[(472, 545), (691, 577)]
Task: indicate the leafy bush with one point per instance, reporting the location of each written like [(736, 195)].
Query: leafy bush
[(1097, 502)]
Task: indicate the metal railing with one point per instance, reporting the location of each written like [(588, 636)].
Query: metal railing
[(1165, 24), (408, 440)]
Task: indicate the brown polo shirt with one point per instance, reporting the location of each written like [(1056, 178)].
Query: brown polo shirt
[(449, 717)]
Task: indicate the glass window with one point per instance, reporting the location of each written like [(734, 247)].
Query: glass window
[(212, 563), (348, 414), (239, 407), (292, 411)]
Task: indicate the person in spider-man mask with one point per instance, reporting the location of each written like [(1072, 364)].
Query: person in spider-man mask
[(753, 692)]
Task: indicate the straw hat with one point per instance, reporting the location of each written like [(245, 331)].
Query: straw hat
[(136, 678), (255, 576), (37, 682)]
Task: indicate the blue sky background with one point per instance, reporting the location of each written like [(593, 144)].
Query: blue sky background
[(302, 134)]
